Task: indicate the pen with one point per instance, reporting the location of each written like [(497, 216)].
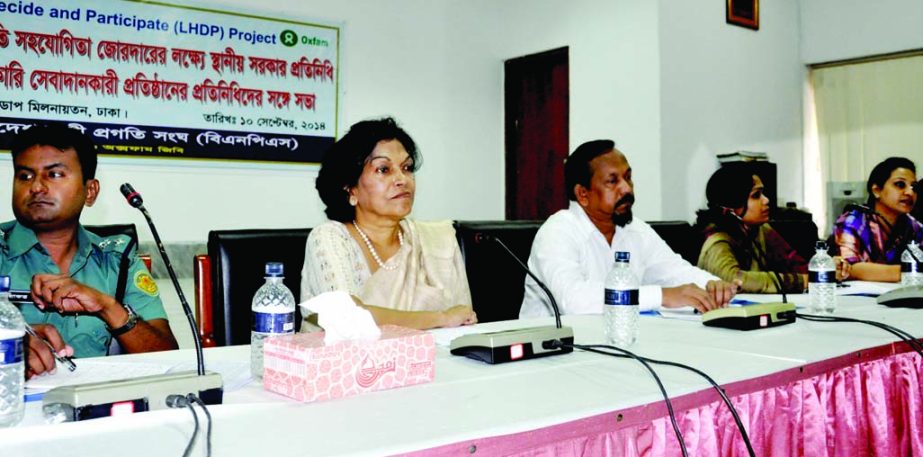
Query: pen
[(66, 361)]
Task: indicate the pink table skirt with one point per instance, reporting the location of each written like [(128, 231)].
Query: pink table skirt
[(865, 403)]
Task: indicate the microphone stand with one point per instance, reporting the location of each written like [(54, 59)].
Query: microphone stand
[(200, 358), (102, 399), (521, 343)]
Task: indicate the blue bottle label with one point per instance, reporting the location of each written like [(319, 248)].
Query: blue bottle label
[(274, 322), (11, 351), (823, 277), (911, 267), (622, 297)]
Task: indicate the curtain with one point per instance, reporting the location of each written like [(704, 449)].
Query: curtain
[(865, 113)]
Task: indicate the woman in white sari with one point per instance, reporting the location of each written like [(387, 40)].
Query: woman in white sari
[(404, 272)]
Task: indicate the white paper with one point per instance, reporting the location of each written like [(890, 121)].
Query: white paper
[(685, 313), (866, 288), (93, 370), (444, 336)]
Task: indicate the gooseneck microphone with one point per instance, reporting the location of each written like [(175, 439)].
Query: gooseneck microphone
[(516, 344), (101, 399), (134, 199), (482, 237)]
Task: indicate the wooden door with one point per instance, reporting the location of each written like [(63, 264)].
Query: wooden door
[(536, 112)]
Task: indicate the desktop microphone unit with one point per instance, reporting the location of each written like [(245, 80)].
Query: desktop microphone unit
[(125, 396), (517, 344), (753, 317)]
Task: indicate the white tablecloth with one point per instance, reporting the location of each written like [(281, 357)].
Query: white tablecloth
[(468, 399)]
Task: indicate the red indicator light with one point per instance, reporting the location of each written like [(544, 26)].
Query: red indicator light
[(516, 351), (122, 408), (764, 320)]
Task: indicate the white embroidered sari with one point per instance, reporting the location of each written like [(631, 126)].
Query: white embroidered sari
[(430, 273)]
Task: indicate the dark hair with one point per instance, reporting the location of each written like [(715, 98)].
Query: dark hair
[(577, 165), (728, 189), (343, 163), (60, 137), (882, 172)]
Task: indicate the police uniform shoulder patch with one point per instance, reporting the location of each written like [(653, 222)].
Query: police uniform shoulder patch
[(113, 242), (145, 283)]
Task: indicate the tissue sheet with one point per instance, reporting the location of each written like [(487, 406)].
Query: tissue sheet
[(300, 366)]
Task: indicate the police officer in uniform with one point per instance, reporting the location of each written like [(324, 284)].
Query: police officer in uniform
[(86, 289)]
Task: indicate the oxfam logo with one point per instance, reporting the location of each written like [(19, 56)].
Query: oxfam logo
[(288, 38)]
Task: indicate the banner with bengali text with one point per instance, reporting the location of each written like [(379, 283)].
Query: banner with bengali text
[(171, 81)]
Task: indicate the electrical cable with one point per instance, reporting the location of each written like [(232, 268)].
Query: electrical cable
[(195, 431), (208, 415), (598, 349), (903, 335), (724, 397), (179, 401), (715, 385)]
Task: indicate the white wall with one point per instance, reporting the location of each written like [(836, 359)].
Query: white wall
[(669, 81), (845, 29), (726, 88), (614, 83), (437, 67)]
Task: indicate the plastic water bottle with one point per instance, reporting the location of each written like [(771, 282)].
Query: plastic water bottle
[(912, 265), (822, 281), (622, 305), (273, 314), (12, 331)]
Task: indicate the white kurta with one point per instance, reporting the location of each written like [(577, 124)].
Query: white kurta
[(571, 256)]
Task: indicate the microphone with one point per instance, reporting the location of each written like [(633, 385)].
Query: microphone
[(484, 237), (516, 344), (133, 197), (102, 399), (753, 317)]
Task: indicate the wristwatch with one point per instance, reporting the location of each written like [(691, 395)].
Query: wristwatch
[(132, 321)]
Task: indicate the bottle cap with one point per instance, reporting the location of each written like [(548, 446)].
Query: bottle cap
[(274, 269), (820, 245), (622, 256), (4, 283)]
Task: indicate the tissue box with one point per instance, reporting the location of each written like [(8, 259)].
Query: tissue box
[(300, 366)]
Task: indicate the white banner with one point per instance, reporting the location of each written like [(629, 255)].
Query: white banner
[(171, 81)]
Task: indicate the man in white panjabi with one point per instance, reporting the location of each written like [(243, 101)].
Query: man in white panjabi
[(574, 249)]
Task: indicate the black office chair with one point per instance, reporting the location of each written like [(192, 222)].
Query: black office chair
[(681, 238), (496, 281), (238, 259), (801, 235)]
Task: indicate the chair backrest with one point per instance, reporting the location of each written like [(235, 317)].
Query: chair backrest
[(801, 235), (238, 259), (496, 281), (681, 238)]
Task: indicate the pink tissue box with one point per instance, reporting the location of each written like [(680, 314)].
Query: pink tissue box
[(300, 366)]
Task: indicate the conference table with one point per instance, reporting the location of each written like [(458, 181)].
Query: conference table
[(808, 388)]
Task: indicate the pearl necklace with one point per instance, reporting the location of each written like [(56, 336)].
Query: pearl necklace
[(368, 243)]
